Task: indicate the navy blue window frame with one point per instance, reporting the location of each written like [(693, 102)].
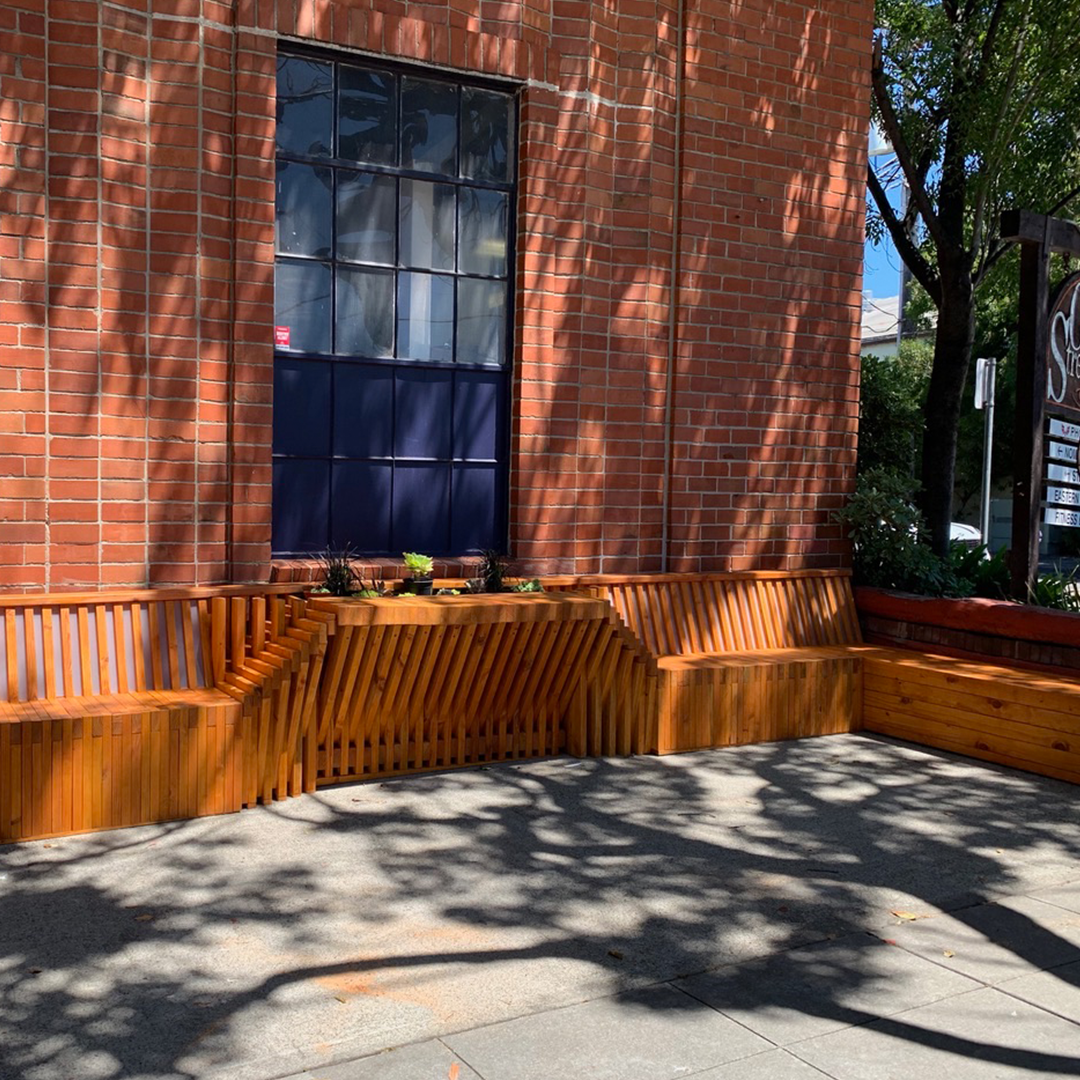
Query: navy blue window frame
[(381, 453)]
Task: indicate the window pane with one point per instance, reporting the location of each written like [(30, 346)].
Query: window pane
[(363, 410), (426, 317), (422, 417), (429, 126), (362, 501), (301, 508), (474, 526), (367, 116), (421, 520), (304, 108), (482, 232), (427, 225), (301, 407), (366, 212), (302, 304), (485, 135), (365, 312), (302, 226), (476, 414), (481, 329)]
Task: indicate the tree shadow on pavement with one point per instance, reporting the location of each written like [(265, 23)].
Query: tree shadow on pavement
[(516, 888)]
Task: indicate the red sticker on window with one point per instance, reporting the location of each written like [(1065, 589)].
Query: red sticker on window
[(281, 337)]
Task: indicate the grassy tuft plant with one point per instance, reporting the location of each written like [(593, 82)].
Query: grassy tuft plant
[(339, 576), (493, 570)]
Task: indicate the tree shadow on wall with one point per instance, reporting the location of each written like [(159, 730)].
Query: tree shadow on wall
[(763, 383)]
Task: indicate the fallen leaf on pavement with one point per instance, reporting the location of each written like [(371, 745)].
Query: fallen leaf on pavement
[(948, 952), (455, 1071), (907, 916)]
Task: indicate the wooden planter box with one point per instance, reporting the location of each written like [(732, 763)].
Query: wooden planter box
[(417, 683)]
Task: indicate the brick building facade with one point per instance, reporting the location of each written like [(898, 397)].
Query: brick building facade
[(690, 186)]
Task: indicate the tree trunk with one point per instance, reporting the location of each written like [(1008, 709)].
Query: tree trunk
[(952, 355)]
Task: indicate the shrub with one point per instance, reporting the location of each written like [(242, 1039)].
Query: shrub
[(886, 531)]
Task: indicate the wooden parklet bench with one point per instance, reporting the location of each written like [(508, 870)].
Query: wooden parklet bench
[(743, 657), (125, 708), (753, 657)]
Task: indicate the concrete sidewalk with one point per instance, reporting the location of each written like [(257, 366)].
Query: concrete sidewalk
[(844, 906)]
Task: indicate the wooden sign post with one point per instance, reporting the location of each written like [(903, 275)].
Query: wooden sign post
[(1047, 374)]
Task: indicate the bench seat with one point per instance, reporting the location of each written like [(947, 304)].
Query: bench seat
[(144, 701), (730, 699), (1026, 719)]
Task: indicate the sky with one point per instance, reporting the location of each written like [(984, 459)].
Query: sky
[(881, 269)]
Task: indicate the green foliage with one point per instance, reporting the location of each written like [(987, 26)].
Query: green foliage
[(338, 574), (528, 586), (1058, 589), (978, 100), (988, 87), (892, 393), (978, 573), (420, 566), (886, 531)]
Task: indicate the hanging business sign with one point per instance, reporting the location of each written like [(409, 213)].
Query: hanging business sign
[(1063, 350), (1069, 519), (1063, 481)]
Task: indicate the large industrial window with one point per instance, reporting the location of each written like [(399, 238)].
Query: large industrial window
[(395, 211)]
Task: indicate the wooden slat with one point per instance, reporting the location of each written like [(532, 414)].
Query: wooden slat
[(155, 677), (120, 636), (170, 614), (139, 652), (48, 660), (190, 671)]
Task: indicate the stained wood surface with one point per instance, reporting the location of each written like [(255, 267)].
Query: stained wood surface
[(723, 613), (1027, 720), (434, 683), (122, 711), (743, 657)]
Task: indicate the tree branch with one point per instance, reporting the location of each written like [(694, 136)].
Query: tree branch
[(916, 183), (921, 270), (1063, 202), (990, 163), (989, 260), (988, 43)]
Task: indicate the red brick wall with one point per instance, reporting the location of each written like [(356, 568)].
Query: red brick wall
[(136, 276)]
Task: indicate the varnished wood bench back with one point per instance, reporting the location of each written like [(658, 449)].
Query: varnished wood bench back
[(83, 646), (738, 612)]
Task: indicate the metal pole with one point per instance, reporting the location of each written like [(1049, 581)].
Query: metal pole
[(988, 446)]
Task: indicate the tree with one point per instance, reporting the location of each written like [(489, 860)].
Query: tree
[(979, 100)]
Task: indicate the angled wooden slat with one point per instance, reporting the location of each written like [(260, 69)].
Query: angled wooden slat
[(188, 627)]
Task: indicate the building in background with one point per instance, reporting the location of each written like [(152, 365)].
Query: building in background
[(578, 280)]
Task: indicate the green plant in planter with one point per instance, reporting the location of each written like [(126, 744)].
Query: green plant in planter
[(421, 568), (492, 570), (528, 586), (339, 577)]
